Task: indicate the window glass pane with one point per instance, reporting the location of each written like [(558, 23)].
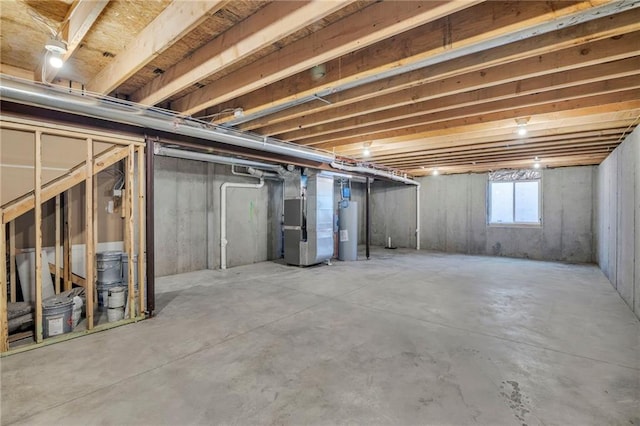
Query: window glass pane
[(502, 202), (527, 202)]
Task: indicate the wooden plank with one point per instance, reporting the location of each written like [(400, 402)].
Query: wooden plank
[(606, 59), (365, 27), (141, 230), (501, 131), (4, 322), (176, 20), (19, 336), (75, 279), (67, 244), (129, 229), (12, 259), (17, 208), (96, 236), (267, 26), (57, 245), (473, 26), (79, 20), (593, 105), (17, 72), (38, 228), (463, 105), (88, 229)]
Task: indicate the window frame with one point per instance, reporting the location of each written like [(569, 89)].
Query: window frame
[(515, 224)]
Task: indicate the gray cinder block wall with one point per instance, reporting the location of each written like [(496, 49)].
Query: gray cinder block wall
[(618, 202), (187, 217), (453, 217)]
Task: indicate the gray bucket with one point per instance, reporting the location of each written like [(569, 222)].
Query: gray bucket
[(103, 293), (56, 316), (125, 270), (109, 267)]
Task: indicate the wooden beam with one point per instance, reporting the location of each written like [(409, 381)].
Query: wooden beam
[(176, 20), (17, 208), (129, 230), (17, 72), (465, 105), (88, 230), (12, 259), (572, 108), (546, 126), (57, 245), (4, 321), (481, 26), (74, 278), (141, 230), (365, 27), (267, 26), (79, 20), (603, 59), (38, 228)]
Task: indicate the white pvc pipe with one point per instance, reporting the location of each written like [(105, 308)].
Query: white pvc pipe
[(418, 217), (223, 215)]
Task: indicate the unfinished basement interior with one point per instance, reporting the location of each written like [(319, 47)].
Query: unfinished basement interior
[(318, 212)]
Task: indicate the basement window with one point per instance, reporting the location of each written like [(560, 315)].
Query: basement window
[(514, 202)]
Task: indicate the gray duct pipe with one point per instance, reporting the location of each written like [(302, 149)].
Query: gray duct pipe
[(117, 110), (210, 158), (375, 172)]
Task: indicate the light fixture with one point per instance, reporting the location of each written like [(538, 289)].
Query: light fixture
[(435, 172), (318, 72), (238, 112), (55, 60), (522, 125), (365, 150), (55, 49), (536, 163)]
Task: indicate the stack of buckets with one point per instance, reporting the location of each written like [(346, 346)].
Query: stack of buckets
[(113, 279)]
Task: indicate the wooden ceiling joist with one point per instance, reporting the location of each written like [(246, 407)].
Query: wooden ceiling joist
[(605, 59), (517, 51), (270, 24), (179, 18), (369, 25)]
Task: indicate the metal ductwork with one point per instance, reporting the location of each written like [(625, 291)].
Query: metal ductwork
[(120, 111), (210, 158), (376, 172)]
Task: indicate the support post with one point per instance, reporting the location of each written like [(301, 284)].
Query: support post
[(88, 229), (141, 225), (96, 237), (38, 227), (368, 218), (57, 245), (151, 301), (12, 259), (128, 226), (67, 243), (4, 322)]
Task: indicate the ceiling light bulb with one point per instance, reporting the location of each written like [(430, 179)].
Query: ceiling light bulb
[(522, 130), (435, 173), (536, 165), (366, 152), (55, 60), (56, 46)]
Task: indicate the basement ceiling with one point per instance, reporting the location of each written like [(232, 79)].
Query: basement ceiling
[(422, 85)]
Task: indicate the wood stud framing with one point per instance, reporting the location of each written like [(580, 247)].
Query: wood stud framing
[(59, 190)]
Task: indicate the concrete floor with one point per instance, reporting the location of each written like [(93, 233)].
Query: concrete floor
[(406, 338)]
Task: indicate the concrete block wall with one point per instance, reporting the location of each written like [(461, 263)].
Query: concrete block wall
[(618, 202), (187, 217)]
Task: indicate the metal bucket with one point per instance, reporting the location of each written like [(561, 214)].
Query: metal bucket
[(103, 293), (125, 270), (109, 267), (56, 316)]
